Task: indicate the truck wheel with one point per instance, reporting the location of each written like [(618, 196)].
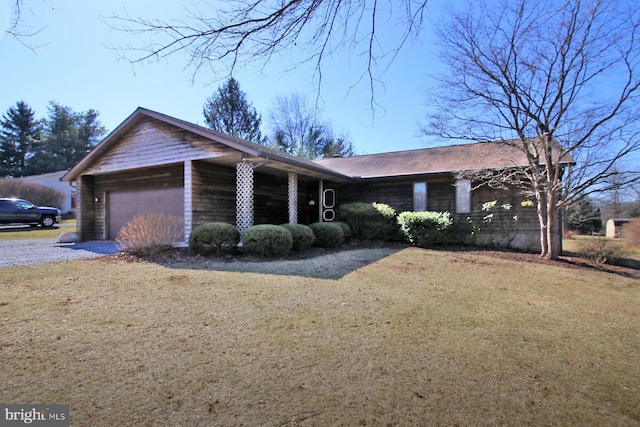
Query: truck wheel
[(47, 221)]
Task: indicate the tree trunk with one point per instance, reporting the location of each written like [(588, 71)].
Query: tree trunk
[(541, 208), (552, 236), (547, 214)]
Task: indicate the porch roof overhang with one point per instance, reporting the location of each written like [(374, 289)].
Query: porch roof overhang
[(269, 160)]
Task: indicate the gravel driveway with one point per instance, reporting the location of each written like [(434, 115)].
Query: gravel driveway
[(16, 253)]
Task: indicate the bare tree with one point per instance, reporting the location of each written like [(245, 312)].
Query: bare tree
[(16, 29), (298, 130), (556, 80), (236, 32), (291, 118)]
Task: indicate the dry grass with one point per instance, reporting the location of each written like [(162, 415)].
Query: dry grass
[(617, 251), (418, 338), (23, 232)]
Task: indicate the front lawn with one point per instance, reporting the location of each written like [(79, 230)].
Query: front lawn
[(621, 252), (25, 231), (417, 338)]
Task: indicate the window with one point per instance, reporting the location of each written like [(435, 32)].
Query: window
[(21, 204), (419, 196), (463, 196)]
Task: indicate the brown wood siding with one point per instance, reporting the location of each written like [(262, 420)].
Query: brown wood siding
[(86, 204), (397, 194), (270, 199), (516, 227), (441, 195), (213, 193), (500, 229), (153, 143), (94, 208)]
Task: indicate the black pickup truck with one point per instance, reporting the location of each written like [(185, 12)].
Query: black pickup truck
[(18, 211)]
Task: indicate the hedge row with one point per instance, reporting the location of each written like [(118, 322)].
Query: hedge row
[(266, 240), (363, 221)]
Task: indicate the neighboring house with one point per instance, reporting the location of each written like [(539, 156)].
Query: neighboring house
[(154, 163), (615, 225), (52, 180)]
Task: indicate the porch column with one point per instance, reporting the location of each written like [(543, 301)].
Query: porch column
[(320, 199), (244, 196), (188, 203), (293, 198)]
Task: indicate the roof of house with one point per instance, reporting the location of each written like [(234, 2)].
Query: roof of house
[(247, 147), (447, 159)]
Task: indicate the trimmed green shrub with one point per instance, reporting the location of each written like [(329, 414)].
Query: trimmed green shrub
[(346, 229), (302, 236), (150, 234), (425, 229), (328, 234), (213, 238), (370, 221), (267, 240)]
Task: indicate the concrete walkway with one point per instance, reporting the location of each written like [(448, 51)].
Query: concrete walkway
[(17, 253)]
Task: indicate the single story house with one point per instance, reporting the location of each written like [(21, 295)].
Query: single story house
[(52, 180), (615, 225), (154, 163)]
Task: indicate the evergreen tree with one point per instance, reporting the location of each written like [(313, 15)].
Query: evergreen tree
[(228, 111), (68, 137), (337, 148), (19, 131), (583, 217), (90, 132)]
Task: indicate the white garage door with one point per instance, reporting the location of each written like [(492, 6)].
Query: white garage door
[(122, 206)]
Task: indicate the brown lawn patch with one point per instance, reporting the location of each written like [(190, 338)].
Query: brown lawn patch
[(416, 338)]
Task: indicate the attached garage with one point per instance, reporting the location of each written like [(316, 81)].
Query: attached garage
[(154, 163), (122, 206)]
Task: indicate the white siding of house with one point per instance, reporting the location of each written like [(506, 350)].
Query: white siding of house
[(52, 180)]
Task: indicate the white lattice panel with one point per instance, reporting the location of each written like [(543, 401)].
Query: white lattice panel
[(293, 198), (244, 196)]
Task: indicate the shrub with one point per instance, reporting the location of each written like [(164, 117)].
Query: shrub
[(213, 238), (150, 234), (302, 236), (35, 193), (631, 233), (346, 229), (600, 250), (425, 229), (328, 234), (267, 240), (370, 221)]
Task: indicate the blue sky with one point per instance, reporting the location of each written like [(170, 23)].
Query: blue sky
[(73, 63)]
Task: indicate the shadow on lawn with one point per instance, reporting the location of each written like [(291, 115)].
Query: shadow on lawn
[(337, 263), (316, 263), (24, 228)]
